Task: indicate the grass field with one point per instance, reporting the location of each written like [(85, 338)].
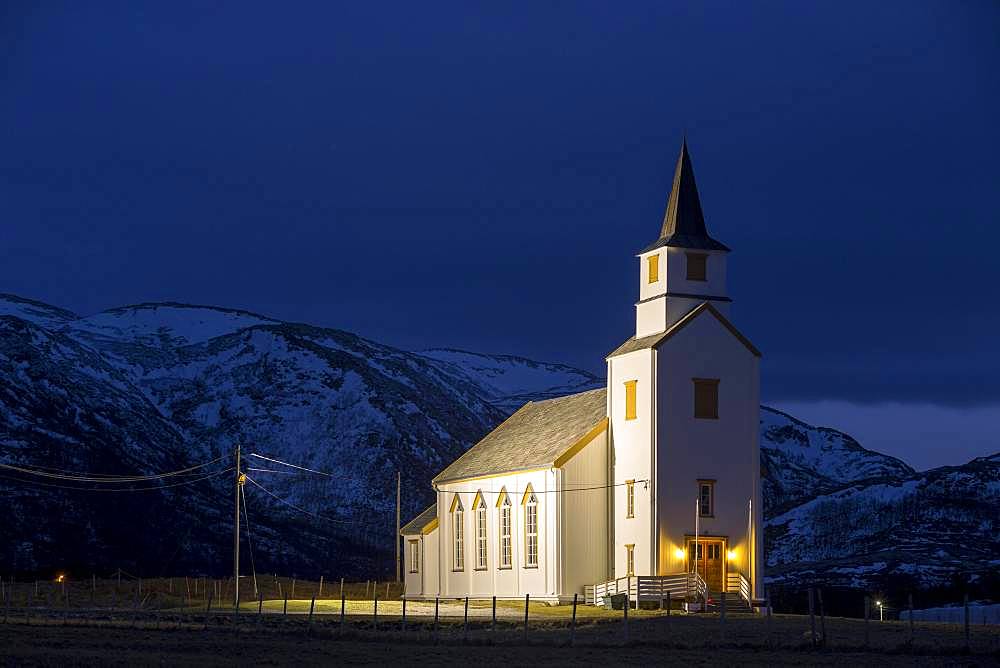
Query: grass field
[(85, 646), (178, 636)]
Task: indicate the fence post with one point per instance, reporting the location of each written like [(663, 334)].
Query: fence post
[(812, 619), (284, 611), (661, 592), (293, 587), (493, 626), (320, 586), (722, 615), (965, 605), (527, 597), (341, 587), (625, 616), (767, 602), (572, 624), (309, 625), (208, 608), (465, 631), (867, 615), (669, 607), (236, 607), (260, 605), (375, 610), (404, 613), (342, 606), (822, 618), (909, 605), (436, 601)]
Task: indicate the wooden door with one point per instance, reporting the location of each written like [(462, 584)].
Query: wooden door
[(710, 562)]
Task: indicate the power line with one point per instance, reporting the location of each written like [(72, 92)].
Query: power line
[(105, 478), (294, 466), (303, 510), (117, 490), (546, 491)]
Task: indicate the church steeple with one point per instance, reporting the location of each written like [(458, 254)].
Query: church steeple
[(684, 222), (685, 266)]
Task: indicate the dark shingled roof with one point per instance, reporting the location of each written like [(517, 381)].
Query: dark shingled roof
[(416, 525), (532, 437), (653, 340), (683, 222)]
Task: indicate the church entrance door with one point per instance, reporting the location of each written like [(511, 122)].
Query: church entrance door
[(710, 562)]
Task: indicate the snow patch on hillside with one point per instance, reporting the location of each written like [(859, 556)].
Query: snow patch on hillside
[(166, 325)]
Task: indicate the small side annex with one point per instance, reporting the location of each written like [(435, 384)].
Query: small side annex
[(524, 511)]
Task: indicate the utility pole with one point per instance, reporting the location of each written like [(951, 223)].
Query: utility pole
[(399, 485), (236, 532)]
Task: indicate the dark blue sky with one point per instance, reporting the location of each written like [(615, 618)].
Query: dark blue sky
[(480, 175)]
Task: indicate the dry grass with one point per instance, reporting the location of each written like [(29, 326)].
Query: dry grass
[(179, 636), (72, 646)]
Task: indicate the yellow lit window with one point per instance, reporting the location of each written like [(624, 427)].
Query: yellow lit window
[(629, 498), (630, 399), (654, 268)]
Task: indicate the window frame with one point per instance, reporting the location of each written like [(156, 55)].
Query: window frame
[(629, 499), (630, 560), (710, 484), (482, 533), (531, 538), (631, 399), (505, 559), (712, 384), (700, 262), (414, 545), (457, 535)]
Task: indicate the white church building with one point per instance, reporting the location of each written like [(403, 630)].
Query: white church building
[(651, 484)]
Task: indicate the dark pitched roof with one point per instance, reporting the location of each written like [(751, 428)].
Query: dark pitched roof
[(653, 340), (415, 526), (683, 222), (535, 436)]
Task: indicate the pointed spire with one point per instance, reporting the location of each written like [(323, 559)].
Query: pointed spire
[(684, 222)]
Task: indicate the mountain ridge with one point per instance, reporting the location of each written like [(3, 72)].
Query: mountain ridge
[(185, 382)]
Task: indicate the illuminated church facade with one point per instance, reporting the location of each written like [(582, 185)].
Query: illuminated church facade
[(653, 477)]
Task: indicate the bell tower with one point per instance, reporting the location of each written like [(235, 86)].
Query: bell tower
[(685, 266)]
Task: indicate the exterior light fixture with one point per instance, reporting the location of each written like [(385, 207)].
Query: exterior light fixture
[(731, 555), (679, 553), (60, 578)]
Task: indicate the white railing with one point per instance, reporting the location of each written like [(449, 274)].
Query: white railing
[(745, 590), (639, 588), (738, 583)]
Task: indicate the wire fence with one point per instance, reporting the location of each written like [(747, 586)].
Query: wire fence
[(378, 612)]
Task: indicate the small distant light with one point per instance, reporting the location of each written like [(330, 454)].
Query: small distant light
[(731, 555), (60, 578), (679, 553), (878, 603)]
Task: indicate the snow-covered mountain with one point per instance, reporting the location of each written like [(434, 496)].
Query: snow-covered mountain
[(156, 387), (924, 529), (799, 461), (508, 382)]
